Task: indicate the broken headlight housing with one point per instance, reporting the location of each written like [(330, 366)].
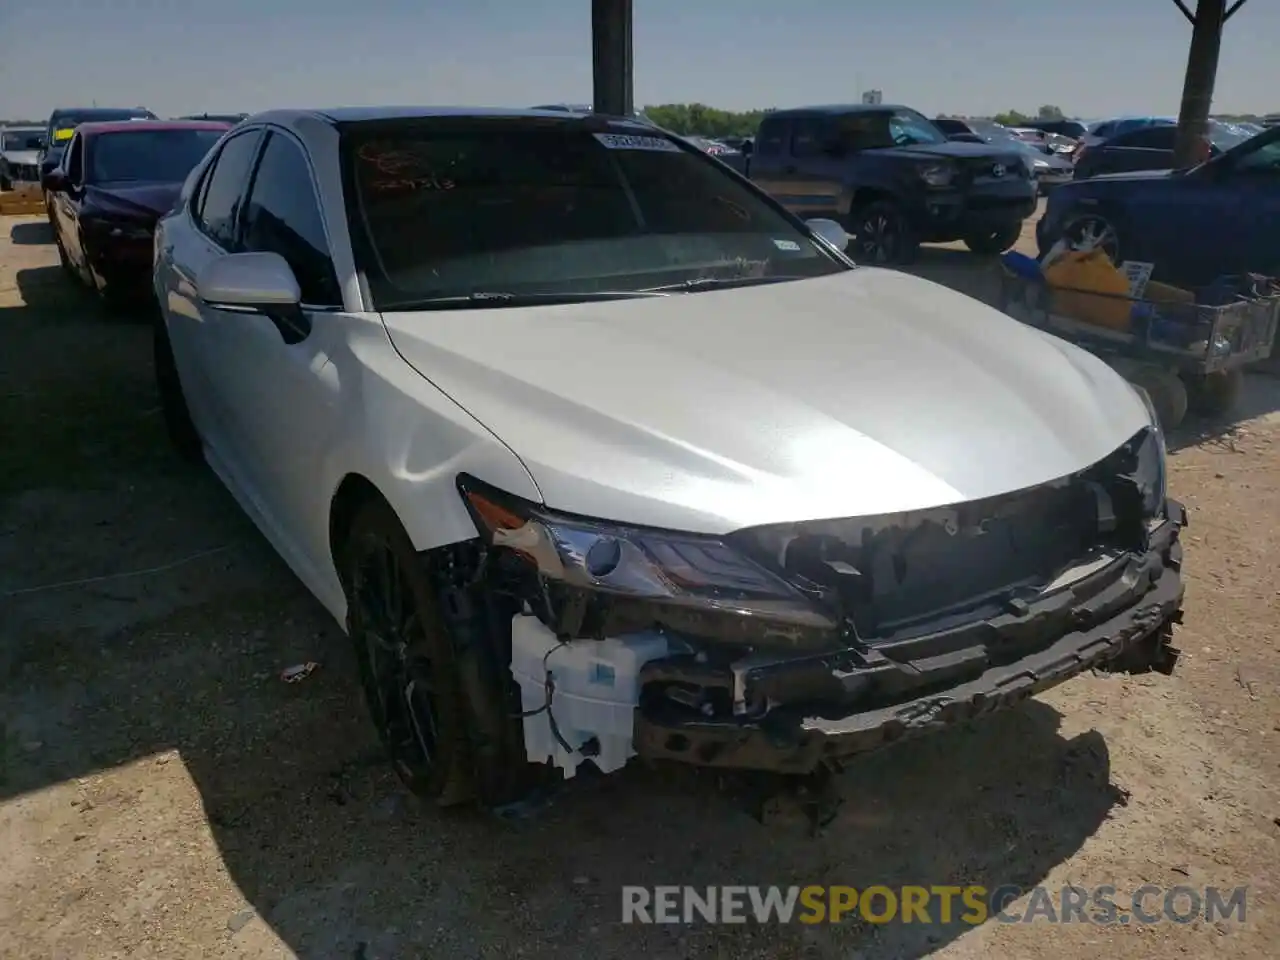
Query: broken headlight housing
[(692, 581), (1148, 469)]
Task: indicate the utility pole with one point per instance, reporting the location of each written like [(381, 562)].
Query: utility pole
[(611, 57), (1202, 70)]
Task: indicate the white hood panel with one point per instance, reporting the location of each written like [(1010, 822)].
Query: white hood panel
[(863, 393)]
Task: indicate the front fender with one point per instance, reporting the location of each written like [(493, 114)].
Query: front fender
[(411, 441)]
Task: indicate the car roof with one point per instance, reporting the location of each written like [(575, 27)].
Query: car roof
[(834, 109), (23, 128), (360, 114), (130, 126), (105, 112)]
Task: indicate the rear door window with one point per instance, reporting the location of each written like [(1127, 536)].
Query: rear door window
[(771, 137), (1150, 138), (808, 136)]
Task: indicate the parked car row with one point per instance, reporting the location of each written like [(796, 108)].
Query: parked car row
[(113, 182)]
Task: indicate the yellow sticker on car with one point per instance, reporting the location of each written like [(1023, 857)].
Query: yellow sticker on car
[(63, 134)]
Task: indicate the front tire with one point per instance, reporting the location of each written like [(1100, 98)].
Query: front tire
[(882, 235), (183, 435), (406, 662), (1215, 394), (995, 240)]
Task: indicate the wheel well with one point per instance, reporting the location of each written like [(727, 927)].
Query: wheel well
[(353, 493), (865, 196)]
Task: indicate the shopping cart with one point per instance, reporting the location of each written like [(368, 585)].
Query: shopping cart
[(1184, 354)]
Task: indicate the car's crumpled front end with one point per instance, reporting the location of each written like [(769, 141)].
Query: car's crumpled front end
[(790, 646)]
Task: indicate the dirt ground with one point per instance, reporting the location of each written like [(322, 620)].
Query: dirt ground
[(164, 794)]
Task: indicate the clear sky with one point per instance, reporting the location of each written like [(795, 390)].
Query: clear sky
[(1090, 57)]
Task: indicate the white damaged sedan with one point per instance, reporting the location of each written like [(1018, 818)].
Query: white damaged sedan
[(596, 452)]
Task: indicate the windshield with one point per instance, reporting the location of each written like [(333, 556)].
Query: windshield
[(62, 125), (908, 127), (546, 207), (20, 139), (152, 155), (990, 130), (1224, 136)]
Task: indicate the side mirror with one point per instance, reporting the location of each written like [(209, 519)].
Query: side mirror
[(829, 231), (746, 148), (54, 181), (257, 283)]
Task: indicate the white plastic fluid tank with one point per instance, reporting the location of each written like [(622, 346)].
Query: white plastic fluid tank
[(597, 686)]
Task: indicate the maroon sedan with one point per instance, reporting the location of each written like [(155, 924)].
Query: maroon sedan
[(114, 181)]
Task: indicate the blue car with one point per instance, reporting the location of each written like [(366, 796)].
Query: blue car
[(1195, 225)]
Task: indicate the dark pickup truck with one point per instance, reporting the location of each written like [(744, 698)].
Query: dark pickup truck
[(892, 179)]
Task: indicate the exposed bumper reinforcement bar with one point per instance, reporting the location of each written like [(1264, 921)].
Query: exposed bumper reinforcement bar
[(1124, 626)]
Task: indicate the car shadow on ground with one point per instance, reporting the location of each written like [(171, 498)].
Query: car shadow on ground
[(158, 619), (31, 234), (331, 852)]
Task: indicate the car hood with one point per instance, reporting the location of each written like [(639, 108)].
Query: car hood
[(22, 157), (144, 200), (862, 393), (956, 149)]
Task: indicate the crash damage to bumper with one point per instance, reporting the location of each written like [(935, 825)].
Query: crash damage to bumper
[(822, 708)]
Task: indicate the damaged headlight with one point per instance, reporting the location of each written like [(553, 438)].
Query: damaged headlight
[(1149, 469), (663, 567)]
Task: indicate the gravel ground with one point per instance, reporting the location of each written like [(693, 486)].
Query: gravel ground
[(163, 794)]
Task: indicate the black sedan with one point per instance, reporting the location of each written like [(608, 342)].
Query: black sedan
[(114, 181)]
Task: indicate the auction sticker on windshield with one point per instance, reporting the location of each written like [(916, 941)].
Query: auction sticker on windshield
[(626, 141), (64, 134)]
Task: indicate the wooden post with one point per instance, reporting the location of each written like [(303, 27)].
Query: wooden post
[(1202, 70), (611, 57)]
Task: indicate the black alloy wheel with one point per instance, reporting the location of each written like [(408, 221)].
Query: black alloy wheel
[(1093, 230), (994, 240), (882, 236), (405, 658)]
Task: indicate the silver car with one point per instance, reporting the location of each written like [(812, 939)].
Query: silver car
[(595, 451), (19, 155)]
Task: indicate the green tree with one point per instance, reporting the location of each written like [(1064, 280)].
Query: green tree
[(1011, 118), (1050, 112), (702, 120)]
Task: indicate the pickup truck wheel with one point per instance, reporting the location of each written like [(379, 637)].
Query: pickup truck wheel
[(6, 184), (882, 235), (995, 240), (1215, 394), (405, 658)]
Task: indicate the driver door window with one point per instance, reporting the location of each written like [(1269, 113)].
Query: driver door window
[(75, 160), (218, 213), (867, 131), (283, 216)]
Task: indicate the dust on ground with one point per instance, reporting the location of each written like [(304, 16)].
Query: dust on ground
[(163, 794)]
